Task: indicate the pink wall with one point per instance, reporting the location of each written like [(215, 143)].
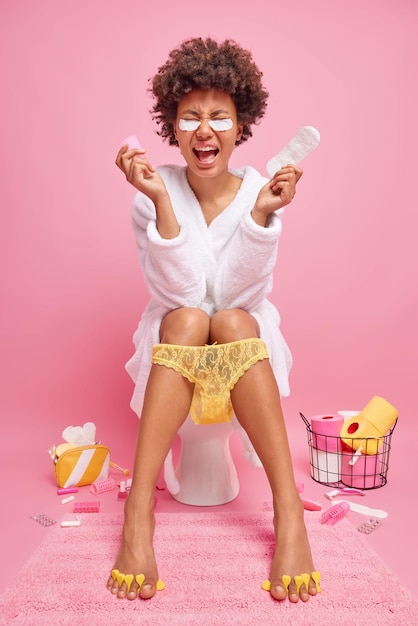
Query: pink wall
[(74, 85)]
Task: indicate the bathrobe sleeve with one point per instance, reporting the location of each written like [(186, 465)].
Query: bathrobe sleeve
[(171, 267), (244, 277)]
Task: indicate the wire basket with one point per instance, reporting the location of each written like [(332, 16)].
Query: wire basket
[(336, 464)]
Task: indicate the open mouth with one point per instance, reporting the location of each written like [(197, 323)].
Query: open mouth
[(206, 154)]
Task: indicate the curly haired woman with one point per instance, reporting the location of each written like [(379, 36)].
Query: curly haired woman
[(207, 239)]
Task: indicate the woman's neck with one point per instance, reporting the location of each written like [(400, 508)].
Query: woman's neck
[(214, 194), (210, 189)]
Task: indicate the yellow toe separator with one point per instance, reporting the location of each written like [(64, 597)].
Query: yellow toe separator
[(306, 578), (316, 577), (299, 580), (286, 581), (140, 580), (128, 580), (114, 574)]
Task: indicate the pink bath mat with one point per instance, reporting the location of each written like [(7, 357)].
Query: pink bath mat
[(213, 565)]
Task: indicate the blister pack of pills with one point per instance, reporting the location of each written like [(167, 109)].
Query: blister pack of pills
[(369, 526), (43, 519)]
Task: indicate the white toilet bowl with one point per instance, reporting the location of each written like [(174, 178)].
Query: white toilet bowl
[(205, 474)]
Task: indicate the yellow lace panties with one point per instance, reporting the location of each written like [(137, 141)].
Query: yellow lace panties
[(214, 369)]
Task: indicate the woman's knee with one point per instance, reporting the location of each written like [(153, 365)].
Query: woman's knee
[(186, 326), (232, 325)]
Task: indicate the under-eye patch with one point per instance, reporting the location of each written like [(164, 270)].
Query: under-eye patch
[(216, 125)]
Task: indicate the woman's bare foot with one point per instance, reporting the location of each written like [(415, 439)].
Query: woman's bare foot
[(136, 553), (292, 556)]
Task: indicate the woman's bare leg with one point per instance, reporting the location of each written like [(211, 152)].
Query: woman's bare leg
[(166, 405), (256, 402)]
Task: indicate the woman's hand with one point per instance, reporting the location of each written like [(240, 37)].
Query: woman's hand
[(140, 173), (277, 193)]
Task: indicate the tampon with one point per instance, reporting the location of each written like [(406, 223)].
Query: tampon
[(69, 523), (63, 490), (69, 499)]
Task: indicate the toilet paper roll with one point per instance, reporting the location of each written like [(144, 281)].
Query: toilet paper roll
[(326, 431), (365, 473), (380, 413), (359, 434), (348, 414), (367, 429), (325, 466)]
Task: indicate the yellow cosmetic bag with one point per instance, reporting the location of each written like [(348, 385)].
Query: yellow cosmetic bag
[(76, 466)]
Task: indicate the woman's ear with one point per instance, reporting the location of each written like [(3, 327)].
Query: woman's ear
[(240, 129), (175, 129)]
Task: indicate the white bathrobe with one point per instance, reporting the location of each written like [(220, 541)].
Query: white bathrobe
[(228, 264)]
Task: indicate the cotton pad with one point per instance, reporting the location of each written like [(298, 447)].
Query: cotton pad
[(306, 139)]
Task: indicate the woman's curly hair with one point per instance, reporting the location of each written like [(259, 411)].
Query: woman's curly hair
[(204, 64)]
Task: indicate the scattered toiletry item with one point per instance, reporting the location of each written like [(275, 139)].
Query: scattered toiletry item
[(43, 520), (334, 514), (310, 505), (123, 494), (369, 526), (66, 500), (101, 486), (86, 507), (346, 491), (63, 491), (70, 523), (365, 510), (118, 467)]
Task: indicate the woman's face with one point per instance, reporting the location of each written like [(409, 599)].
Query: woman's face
[(206, 129)]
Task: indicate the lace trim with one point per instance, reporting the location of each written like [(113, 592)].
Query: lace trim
[(214, 369)]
